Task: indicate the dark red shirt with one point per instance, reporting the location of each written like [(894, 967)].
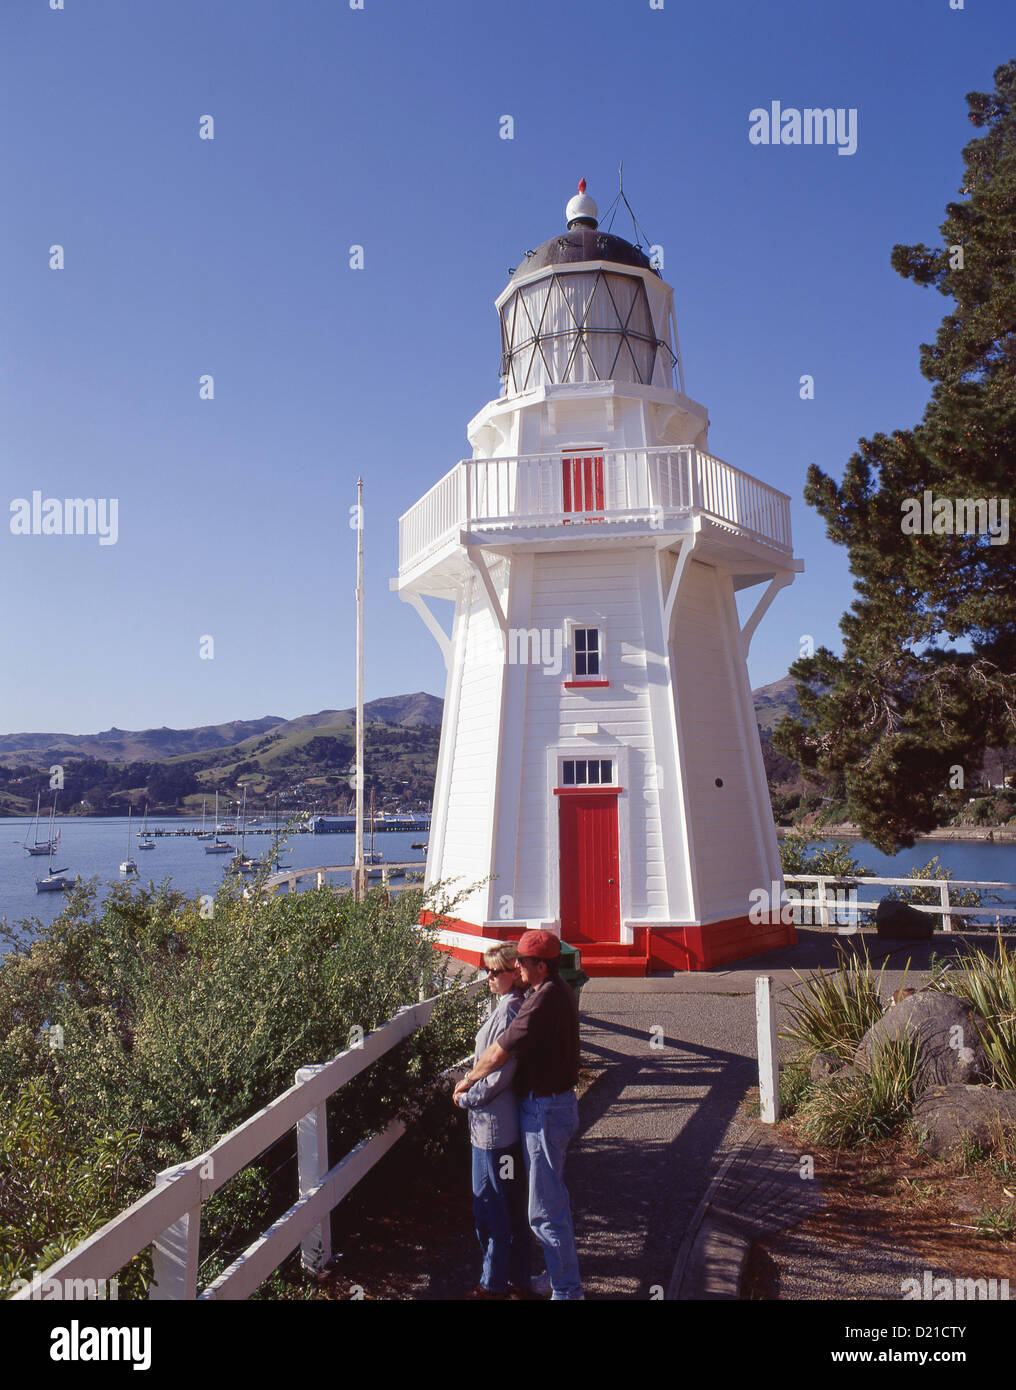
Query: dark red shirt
[(544, 1037)]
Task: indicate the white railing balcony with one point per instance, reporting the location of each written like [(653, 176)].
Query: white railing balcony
[(653, 486)]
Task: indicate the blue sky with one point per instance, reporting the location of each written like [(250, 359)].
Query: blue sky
[(380, 127)]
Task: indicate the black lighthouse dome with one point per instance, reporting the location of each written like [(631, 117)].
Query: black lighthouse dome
[(583, 241), (583, 244)]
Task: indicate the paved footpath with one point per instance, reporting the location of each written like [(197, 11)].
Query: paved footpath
[(659, 1121)]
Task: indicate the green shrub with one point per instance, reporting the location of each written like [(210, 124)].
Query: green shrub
[(178, 1024), (931, 897)]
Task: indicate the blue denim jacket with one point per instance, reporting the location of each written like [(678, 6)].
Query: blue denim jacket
[(492, 1103)]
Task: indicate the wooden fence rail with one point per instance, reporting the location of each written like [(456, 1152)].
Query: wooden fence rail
[(169, 1216), (823, 903)]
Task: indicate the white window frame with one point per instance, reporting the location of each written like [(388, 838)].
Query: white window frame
[(571, 626)]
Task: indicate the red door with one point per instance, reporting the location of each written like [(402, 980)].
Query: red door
[(582, 485), (590, 901)]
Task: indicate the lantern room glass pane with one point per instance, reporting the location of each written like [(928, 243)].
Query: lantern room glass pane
[(581, 326)]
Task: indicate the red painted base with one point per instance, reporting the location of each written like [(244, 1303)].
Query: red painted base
[(655, 948)]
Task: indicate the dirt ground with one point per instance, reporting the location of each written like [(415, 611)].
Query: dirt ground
[(891, 1213)]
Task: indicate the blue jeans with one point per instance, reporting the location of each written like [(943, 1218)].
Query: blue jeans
[(499, 1211), (548, 1124)]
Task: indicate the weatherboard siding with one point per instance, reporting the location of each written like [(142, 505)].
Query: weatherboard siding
[(601, 589), (468, 824), (727, 862)]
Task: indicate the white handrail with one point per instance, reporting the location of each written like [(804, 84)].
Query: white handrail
[(168, 1216), (648, 483)]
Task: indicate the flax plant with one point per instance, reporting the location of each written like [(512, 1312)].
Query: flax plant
[(863, 1109), (988, 984), (832, 1010)]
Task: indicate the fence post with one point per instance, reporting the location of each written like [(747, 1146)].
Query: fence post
[(946, 906), (175, 1251), (768, 1076), (823, 902), (312, 1159)]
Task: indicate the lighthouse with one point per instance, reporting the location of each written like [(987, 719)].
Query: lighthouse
[(600, 774)]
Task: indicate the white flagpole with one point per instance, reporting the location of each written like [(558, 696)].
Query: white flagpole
[(360, 884)]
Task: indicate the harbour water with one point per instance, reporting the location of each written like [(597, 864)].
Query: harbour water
[(95, 848)]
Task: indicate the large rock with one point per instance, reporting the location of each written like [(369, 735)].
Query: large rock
[(945, 1029), (948, 1116), (900, 922), (823, 1064)]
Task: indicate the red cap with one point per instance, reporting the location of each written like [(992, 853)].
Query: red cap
[(544, 945)]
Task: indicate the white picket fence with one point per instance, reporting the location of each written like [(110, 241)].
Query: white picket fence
[(828, 906), (169, 1216)]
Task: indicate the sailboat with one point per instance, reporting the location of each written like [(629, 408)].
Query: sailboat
[(128, 866), (205, 835), (243, 862), (372, 857), (54, 882), (218, 846), (144, 840), (41, 846)]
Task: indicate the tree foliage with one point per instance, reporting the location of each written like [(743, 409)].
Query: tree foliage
[(927, 679)]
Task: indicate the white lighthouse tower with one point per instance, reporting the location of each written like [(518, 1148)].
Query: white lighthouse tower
[(600, 774)]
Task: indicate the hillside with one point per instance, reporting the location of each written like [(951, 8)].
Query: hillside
[(125, 745), (303, 762), (158, 745)]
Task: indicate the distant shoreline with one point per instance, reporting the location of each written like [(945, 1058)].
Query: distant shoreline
[(960, 834)]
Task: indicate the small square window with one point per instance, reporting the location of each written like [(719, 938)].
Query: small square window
[(568, 774), (587, 652)]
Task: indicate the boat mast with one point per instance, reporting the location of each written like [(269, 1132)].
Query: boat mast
[(359, 876)]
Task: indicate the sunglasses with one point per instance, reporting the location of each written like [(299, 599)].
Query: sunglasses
[(505, 970)]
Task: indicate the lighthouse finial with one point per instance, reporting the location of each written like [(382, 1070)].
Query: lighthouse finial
[(581, 210)]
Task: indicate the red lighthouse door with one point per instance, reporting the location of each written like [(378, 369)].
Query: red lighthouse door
[(590, 900), (582, 485)]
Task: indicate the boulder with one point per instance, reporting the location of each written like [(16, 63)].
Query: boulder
[(900, 922), (947, 1116), (945, 1029), (823, 1064)]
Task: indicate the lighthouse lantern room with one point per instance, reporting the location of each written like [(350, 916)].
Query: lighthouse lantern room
[(600, 774)]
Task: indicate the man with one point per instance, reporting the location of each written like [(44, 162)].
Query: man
[(544, 1038)]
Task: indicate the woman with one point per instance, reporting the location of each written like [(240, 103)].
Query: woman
[(499, 1172)]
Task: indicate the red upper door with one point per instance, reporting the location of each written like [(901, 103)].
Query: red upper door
[(590, 900), (582, 484)]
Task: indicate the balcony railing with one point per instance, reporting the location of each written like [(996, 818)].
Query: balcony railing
[(649, 485)]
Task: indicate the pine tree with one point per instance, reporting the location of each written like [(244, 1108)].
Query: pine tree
[(927, 679)]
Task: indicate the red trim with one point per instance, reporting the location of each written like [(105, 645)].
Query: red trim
[(585, 791), (670, 947), (583, 685)]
